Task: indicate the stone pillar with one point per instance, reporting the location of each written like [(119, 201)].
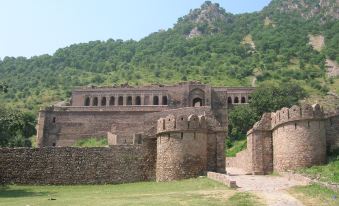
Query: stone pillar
[(160, 99), (116, 100), (91, 101), (220, 136), (133, 99), (142, 96)]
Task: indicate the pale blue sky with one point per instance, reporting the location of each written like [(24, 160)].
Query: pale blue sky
[(35, 27)]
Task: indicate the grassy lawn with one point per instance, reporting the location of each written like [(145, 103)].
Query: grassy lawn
[(200, 191), (315, 195), (325, 173)]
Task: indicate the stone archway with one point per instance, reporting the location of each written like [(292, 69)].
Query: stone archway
[(197, 98), (197, 102)]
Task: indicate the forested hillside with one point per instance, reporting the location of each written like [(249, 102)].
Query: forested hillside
[(208, 44)]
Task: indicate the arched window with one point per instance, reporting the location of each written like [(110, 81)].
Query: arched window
[(137, 100), (197, 102), (112, 101), (164, 100), (129, 100), (87, 101), (236, 100), (121, 100), (95, 101), (103, 101), (229, 100), (243, 100), (155, 100)]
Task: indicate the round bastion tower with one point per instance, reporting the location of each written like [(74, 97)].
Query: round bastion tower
[(181, 147), (299, 138)]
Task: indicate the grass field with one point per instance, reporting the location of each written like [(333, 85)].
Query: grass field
[(200, 191), (315, 195)]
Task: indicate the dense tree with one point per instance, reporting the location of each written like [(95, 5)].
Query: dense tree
[(3, 87), (268, 97), (15, 128)]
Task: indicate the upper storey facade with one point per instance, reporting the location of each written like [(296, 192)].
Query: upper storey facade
[(187, 94)]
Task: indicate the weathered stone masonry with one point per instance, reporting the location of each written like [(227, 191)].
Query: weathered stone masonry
[(158, 133), (288, 139), (182, 147), (67, 165), (92, 112)]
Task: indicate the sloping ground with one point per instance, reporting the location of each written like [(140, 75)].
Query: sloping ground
[(315, 195), (317, 42), (248, 40), (271, 188), (328, 102), (332, 68)]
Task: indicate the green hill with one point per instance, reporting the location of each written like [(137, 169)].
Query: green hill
[(208, 44)]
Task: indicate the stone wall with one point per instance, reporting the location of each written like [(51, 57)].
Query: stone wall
[(299, 144), (118, 164), (332, 132), (63, 128), (222, 178), (288, 139), (188, 146), (181, 155), (242, 160)]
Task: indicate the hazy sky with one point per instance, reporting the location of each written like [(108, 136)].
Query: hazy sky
[(34, 27)]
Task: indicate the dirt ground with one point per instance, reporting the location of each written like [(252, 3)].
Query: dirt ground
[(271, 188)]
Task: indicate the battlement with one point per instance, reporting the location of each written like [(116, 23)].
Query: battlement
[(305, 112), (182, 123)]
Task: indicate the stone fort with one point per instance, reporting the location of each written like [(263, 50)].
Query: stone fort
[(288, 139), (164, 133)]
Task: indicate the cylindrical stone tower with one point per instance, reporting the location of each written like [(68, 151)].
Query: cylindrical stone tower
[(181, 147), (298, 137)]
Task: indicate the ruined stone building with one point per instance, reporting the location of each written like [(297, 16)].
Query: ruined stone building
[(124, 113), (289, 139), (155, 132), (164, 133)]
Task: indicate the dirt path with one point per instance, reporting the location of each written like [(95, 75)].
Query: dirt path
[(270, 188)]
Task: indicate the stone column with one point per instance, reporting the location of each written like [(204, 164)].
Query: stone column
[(142, 96), (160, 99), (116, 100), (91, 101), (133, 99)]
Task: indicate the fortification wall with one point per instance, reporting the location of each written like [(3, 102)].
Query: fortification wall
[(299, 137), (332, 132), (181, 155), (62, 128), (181, 147), (118, 164), (242, 160), (288, 139), (184, 147)]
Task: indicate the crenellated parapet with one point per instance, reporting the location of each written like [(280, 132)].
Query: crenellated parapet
[(296, 113), (182, 123)]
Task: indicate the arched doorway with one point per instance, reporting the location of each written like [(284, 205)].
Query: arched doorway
[(197, 97), (197, 102)]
